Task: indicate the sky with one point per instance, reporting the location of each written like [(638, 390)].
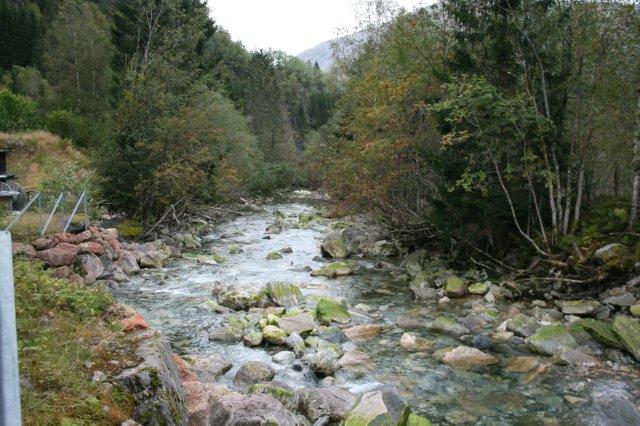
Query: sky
[(289, 25)]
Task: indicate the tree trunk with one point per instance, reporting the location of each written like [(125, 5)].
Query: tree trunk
[(633, 217)]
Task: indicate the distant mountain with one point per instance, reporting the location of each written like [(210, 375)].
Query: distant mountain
[(322, 54)]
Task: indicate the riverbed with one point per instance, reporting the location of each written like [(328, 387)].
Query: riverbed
[(176, 300)]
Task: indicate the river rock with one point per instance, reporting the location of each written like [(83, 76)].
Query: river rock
[(364, 331), (63, 254), (448, 326), (284, 357), (334, 248), (414, 262), (332, 402), (254, 372), (279, 391), (465, 357), (128, 263), (628, 330), (353, 358), (334, 270), (413, 343), (624, 299), (274, 335), (578, 307), (300, 323), (523, 364), (252, 338), (479, 289), (285, 294), (26, 250), (329, 310), (573, 357), (422, 288), (258, 410), (635, 310), (324, 362), (274, 255), (242, 298), (455, 287), (602, 331), (155, 382), (522, 325), (384, 406), (153, 259), (550, 339), (199, 397), (295, 343), (208, 367)]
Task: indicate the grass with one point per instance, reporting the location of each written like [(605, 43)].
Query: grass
[(64, 336), (28, 227)]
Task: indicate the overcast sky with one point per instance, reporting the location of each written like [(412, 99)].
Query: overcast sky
[(290, 25)]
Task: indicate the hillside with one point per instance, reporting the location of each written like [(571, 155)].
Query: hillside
[(322, 54)]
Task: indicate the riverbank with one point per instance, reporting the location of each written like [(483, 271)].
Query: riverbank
[(458, 350)]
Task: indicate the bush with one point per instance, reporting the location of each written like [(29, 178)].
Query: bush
[(66, 124), (273, 176), (16, 112)]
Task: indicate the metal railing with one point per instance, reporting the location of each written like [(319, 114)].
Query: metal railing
[(9, 376)]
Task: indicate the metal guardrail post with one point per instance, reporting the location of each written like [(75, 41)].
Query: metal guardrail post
[(55, 207), (75, 210), (9, 378)]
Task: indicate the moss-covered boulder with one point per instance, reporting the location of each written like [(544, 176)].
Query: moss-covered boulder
[(550, 339), (602, 331), (242, 298), (338, 269), (635, 310), (455, 287), (380, 407), (254, 372), (334, 248), (610, 252), (416, 420), (274, 335), (479, 289), (285, 294), (628, 330), (329, 310), (279, 391)]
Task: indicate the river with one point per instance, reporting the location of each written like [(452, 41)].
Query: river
[(175, 300)]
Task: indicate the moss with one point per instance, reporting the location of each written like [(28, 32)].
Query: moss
[(329, 310), (416, 420), (130, 229), (281, 394), (602, 331)]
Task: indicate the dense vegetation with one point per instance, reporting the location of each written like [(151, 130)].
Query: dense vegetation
[(486, 123), (167, 106)]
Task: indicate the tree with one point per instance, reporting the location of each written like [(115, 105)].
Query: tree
[(78, 57)]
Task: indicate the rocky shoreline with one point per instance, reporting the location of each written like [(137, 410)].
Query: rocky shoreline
[(320, 335)]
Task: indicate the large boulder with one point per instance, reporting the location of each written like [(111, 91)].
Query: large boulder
[(610, 252), (91, 267), (550, 339), (254, 372), (199, 397), (384, 406), (299, 323), (332, 402), (465, 357), (254, 410), (334, 248), (208, 367), (285, 294), (602, 331), (324, 362), (329, 310), (155, 383), (63, 254), (128, 263), (628, 330), (153, 259)]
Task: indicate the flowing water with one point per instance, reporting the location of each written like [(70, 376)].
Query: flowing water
[(174, 300)]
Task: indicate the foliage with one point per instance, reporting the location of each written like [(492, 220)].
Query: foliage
[(78, 128), (50, 311), (272, 176), (20, 31), (16, 112)]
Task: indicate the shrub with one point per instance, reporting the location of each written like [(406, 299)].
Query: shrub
[(273, 176), (16, 112), (66, 124)]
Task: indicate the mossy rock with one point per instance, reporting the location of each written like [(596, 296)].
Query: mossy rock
[(274, 335), (635, 310), (130, 229), (235, 249), (274, 255), (479, 289), (455, 286), (550, 339), (602, 331), (335, 248), (416, 420), (338, 269), (329, 310), (281, 393), (628, 330), (285, 294)]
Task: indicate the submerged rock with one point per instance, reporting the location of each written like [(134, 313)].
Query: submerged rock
[(414, 343), (448, 326), (364, 331), (465, 357), (551, 339)]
